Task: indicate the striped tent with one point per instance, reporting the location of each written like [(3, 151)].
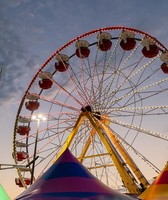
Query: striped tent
[(158, 190), (68, 179), (3, 194)]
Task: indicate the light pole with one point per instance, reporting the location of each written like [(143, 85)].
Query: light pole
[(37, 118)]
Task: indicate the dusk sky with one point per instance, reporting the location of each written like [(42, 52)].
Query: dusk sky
[(31, 30)]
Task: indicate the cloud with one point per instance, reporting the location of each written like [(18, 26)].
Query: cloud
[(15, 60), (32, 30)]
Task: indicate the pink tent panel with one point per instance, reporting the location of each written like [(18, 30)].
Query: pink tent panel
[(68, 179)]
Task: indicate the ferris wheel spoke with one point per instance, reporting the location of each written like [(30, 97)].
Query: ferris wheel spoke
[(130, 76), (98, 92), (51, 139), (64, 90), (129, 111), (90, 81), (84, 81), (111, 58), (92, 74), (122, 66), (76, 84), (58, 103), (139, 129), (100, 89), (150, 94), (55, 115), (143, 90), (129, 146), (51, 129), (119, 88)]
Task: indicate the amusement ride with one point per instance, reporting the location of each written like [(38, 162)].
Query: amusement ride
[(102, 95)]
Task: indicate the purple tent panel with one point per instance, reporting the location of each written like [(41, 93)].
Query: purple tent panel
[(68, 179)]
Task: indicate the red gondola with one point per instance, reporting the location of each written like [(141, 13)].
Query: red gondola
[(129, 44), (19, 183), (164, 68), (23, 130), (21, 155), (61, 66), (151, 51), (32, 105), (82, 52), (45, 84), (104, 44)]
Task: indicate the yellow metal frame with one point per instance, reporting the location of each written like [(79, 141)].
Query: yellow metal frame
[(126, 156), (87, 144), (126, 178), (71, 136), (99, 128)]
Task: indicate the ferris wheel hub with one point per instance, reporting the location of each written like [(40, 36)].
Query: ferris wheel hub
[(86, 108)]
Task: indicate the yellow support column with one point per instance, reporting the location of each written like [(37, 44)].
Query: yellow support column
[(126, 178), (126, 156), (70, 137), (92, 133)]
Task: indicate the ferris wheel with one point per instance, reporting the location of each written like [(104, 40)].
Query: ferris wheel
[(103, 95)]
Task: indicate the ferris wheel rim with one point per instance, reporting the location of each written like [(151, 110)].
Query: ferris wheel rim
[(75, 39)]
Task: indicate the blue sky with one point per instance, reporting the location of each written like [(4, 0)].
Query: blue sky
[(31, 30)]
